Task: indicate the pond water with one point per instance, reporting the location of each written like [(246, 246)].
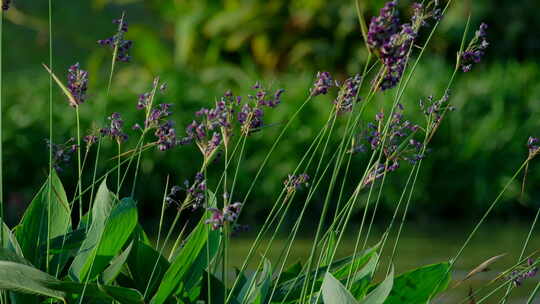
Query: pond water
[(432, 243)]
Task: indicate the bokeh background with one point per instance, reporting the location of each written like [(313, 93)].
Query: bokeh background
[(203, 47)]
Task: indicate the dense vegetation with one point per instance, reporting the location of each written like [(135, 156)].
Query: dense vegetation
[(315, 152), (202, 49)]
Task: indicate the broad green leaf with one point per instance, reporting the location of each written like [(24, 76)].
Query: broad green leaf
[(67, 242), (11, 251), (103, 205), (118, 228), (291, 272), (94, 258), (123, 295), (242, 279), (256, 287), (333, 292), (142, 262), (182, 263), (209, 252), (97, 291), (111, 272), (44, 220), (350, 268), (416, 286), (199, 266), (380, 294), (9, 241), (140, 234), (101, 209), (362, 279), (339, 269), (264, 283), (216, 292), (27, 279), (10, 256)]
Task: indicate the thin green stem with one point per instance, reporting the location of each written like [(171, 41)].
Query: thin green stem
[(208, 281), (118, 169), (2, 128), (104, 113), (226, 225), (79, 166), (3, 297), (534, 293), (49, 194)]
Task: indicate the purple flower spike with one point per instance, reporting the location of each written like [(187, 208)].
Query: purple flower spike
[(115, 131), (348, 95), (475, 50), (229, 214), (215, 126), (118, 42), (382, 27), (295, 182), (195, 193), (523, 272), (397, 144), (322, 84), (90, 140), (391, 40), (166, 135), (77, 84)]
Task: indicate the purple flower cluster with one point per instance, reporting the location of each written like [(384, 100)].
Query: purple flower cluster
[(144, 100), (422, 13), (229, 214), (295, 182), (384, 26), (215, 126), (6, 4), (115, 130), (118, 42), (77, 84), (165, 131), (157, 115), (323, 83), (166, 136), (475, 50), (525, 272), (397, 143), (348, 95), (157, 118), (61, 153), (435, 109), (195, 193), (90, 140), (251, 114), (391, 40)]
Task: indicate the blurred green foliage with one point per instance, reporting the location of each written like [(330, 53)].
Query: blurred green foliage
[(201, 48)]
